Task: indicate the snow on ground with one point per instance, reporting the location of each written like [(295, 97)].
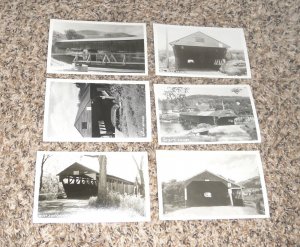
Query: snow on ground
[(195, 72), (119, 134), (213, 212), (57, 65), (230, 133), (114, 70), (218, 133), (79, 210)]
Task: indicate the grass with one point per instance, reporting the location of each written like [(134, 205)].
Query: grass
[(136, 203), (116, 200)]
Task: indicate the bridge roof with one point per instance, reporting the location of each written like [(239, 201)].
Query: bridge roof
[(100, 39), (83, 171), (199, 39)]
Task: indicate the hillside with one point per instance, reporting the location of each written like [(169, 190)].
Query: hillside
[(88, 34), (251, 183), (240, 105)]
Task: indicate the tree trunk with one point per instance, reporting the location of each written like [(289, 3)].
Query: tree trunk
[(44, 159), (102, 186), (142, 186)]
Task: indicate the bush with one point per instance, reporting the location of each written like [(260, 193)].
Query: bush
[(93, 201), (250, 128), (112, 199), (136, 203), (115, 200), (47, 196), (173, 193)]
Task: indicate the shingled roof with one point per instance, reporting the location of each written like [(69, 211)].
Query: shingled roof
[(202, 176), (85, 171), (199, 39)]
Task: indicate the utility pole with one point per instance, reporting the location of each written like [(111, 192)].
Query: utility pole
[(223, 105)]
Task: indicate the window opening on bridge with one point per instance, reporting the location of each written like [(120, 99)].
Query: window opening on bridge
[(207, 194), (84, 125)]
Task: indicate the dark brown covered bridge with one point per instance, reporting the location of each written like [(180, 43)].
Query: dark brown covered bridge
[(198, 51), (208, 189), (121, 52), (95, 110), (80, 181), (221, 117)]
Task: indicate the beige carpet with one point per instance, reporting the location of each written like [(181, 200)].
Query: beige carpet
[(271, 34)]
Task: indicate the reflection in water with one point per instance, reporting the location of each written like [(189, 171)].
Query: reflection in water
[(171, 128)]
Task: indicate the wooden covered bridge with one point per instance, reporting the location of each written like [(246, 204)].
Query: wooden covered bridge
[(80, 181), (220, 117), (113, 52), (98, 113), (199, 51), (209, 189)]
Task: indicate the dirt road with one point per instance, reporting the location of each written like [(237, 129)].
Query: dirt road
[(211, 212), (79, 211)]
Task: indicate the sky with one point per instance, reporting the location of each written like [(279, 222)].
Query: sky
[(182, 165), (232, 37), (118, 164), (219, 90), (61, 26), (63, 100)]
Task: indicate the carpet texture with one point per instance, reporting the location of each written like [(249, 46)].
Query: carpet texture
[(271, 29)]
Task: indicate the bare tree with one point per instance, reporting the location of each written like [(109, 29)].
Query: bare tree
[(44, 159), (141, 183)]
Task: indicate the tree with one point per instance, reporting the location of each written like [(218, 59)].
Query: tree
[(72, 34), (102, 195), (102, 185), (44, 159), (141, 183), (173, 193), (56, 36), (164, 105), (177, 95), (236, 90)]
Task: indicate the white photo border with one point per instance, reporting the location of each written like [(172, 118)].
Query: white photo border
[(157, 86), (156, 41), (37, 219), (47, 138), (53, 71), (228, 217)]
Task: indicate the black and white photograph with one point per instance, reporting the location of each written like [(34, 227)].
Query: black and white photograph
[(205, 114), (83, 187), (97, 111), (210, 185), (190, 51), (89, 47)]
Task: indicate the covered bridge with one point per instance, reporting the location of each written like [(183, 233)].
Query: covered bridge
[(96, 109), (208, 189), (220, 117), (80, 181), (110, 44), (199, 51), (124, 52)]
